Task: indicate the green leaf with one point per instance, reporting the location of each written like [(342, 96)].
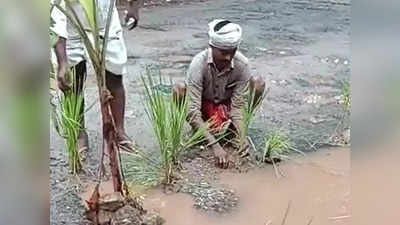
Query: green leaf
[(90, 10)]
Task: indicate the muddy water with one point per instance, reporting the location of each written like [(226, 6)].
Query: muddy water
[(317, 187)]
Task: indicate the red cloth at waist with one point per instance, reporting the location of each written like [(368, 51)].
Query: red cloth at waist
[(217, 113)]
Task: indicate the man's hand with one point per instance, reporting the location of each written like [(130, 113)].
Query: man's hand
[(221, 157), (62, 80), (132, 16), (61, 53)]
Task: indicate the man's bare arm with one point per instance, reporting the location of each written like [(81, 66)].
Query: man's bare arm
[(239, 100), (61, 54)]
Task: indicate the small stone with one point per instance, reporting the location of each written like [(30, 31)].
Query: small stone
[(316, 120), (130, 113), (282, 82), (261, 49), (104, 217), (346, 135), (336, 61), (153, 218), (111, 202)]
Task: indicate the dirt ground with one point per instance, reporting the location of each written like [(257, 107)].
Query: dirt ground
[(300, 47)]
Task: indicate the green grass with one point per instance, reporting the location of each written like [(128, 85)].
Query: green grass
[(67, 122), (248, 112), (167, 118), (277, 146), (143, 168)]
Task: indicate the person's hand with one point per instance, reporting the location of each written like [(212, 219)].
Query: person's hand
[(132, 15), (221, 157), (62, 80)]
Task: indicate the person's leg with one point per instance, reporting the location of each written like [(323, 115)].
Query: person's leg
[(115, 86), (80, 78)]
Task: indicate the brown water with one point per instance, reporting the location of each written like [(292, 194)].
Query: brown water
[(316, 185)]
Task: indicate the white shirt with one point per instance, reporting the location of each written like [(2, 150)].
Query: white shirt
[(116, 55), (65, 29)]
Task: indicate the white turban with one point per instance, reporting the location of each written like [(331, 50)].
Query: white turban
[(227, 37)]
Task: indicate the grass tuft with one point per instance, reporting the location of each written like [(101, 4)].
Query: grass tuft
[(248, 112), (67, 121), (278, 146), (167, 116)]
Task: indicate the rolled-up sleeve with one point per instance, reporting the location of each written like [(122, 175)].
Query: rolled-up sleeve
[(58, 20)]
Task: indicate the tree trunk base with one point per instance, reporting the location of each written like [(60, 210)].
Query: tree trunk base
[(114, 209)]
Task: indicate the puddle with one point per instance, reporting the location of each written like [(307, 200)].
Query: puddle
[(316, 185)]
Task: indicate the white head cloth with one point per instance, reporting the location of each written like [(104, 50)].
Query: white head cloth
[(228, 37)]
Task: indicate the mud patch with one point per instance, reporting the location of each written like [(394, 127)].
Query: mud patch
[(198, 180), (114, 209), (325, 196), (211, 199)]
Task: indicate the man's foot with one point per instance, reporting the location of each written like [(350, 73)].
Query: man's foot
[(126, 143), (83, 145)]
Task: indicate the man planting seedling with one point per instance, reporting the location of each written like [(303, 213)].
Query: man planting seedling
[(216, 84)]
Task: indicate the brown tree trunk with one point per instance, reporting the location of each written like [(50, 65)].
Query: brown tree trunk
[(111, 142), (110, 137)]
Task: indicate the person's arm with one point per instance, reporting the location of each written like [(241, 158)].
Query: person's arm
[(61, 54), (238, 100), (194, 91), (133, 7), (59, 27)]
